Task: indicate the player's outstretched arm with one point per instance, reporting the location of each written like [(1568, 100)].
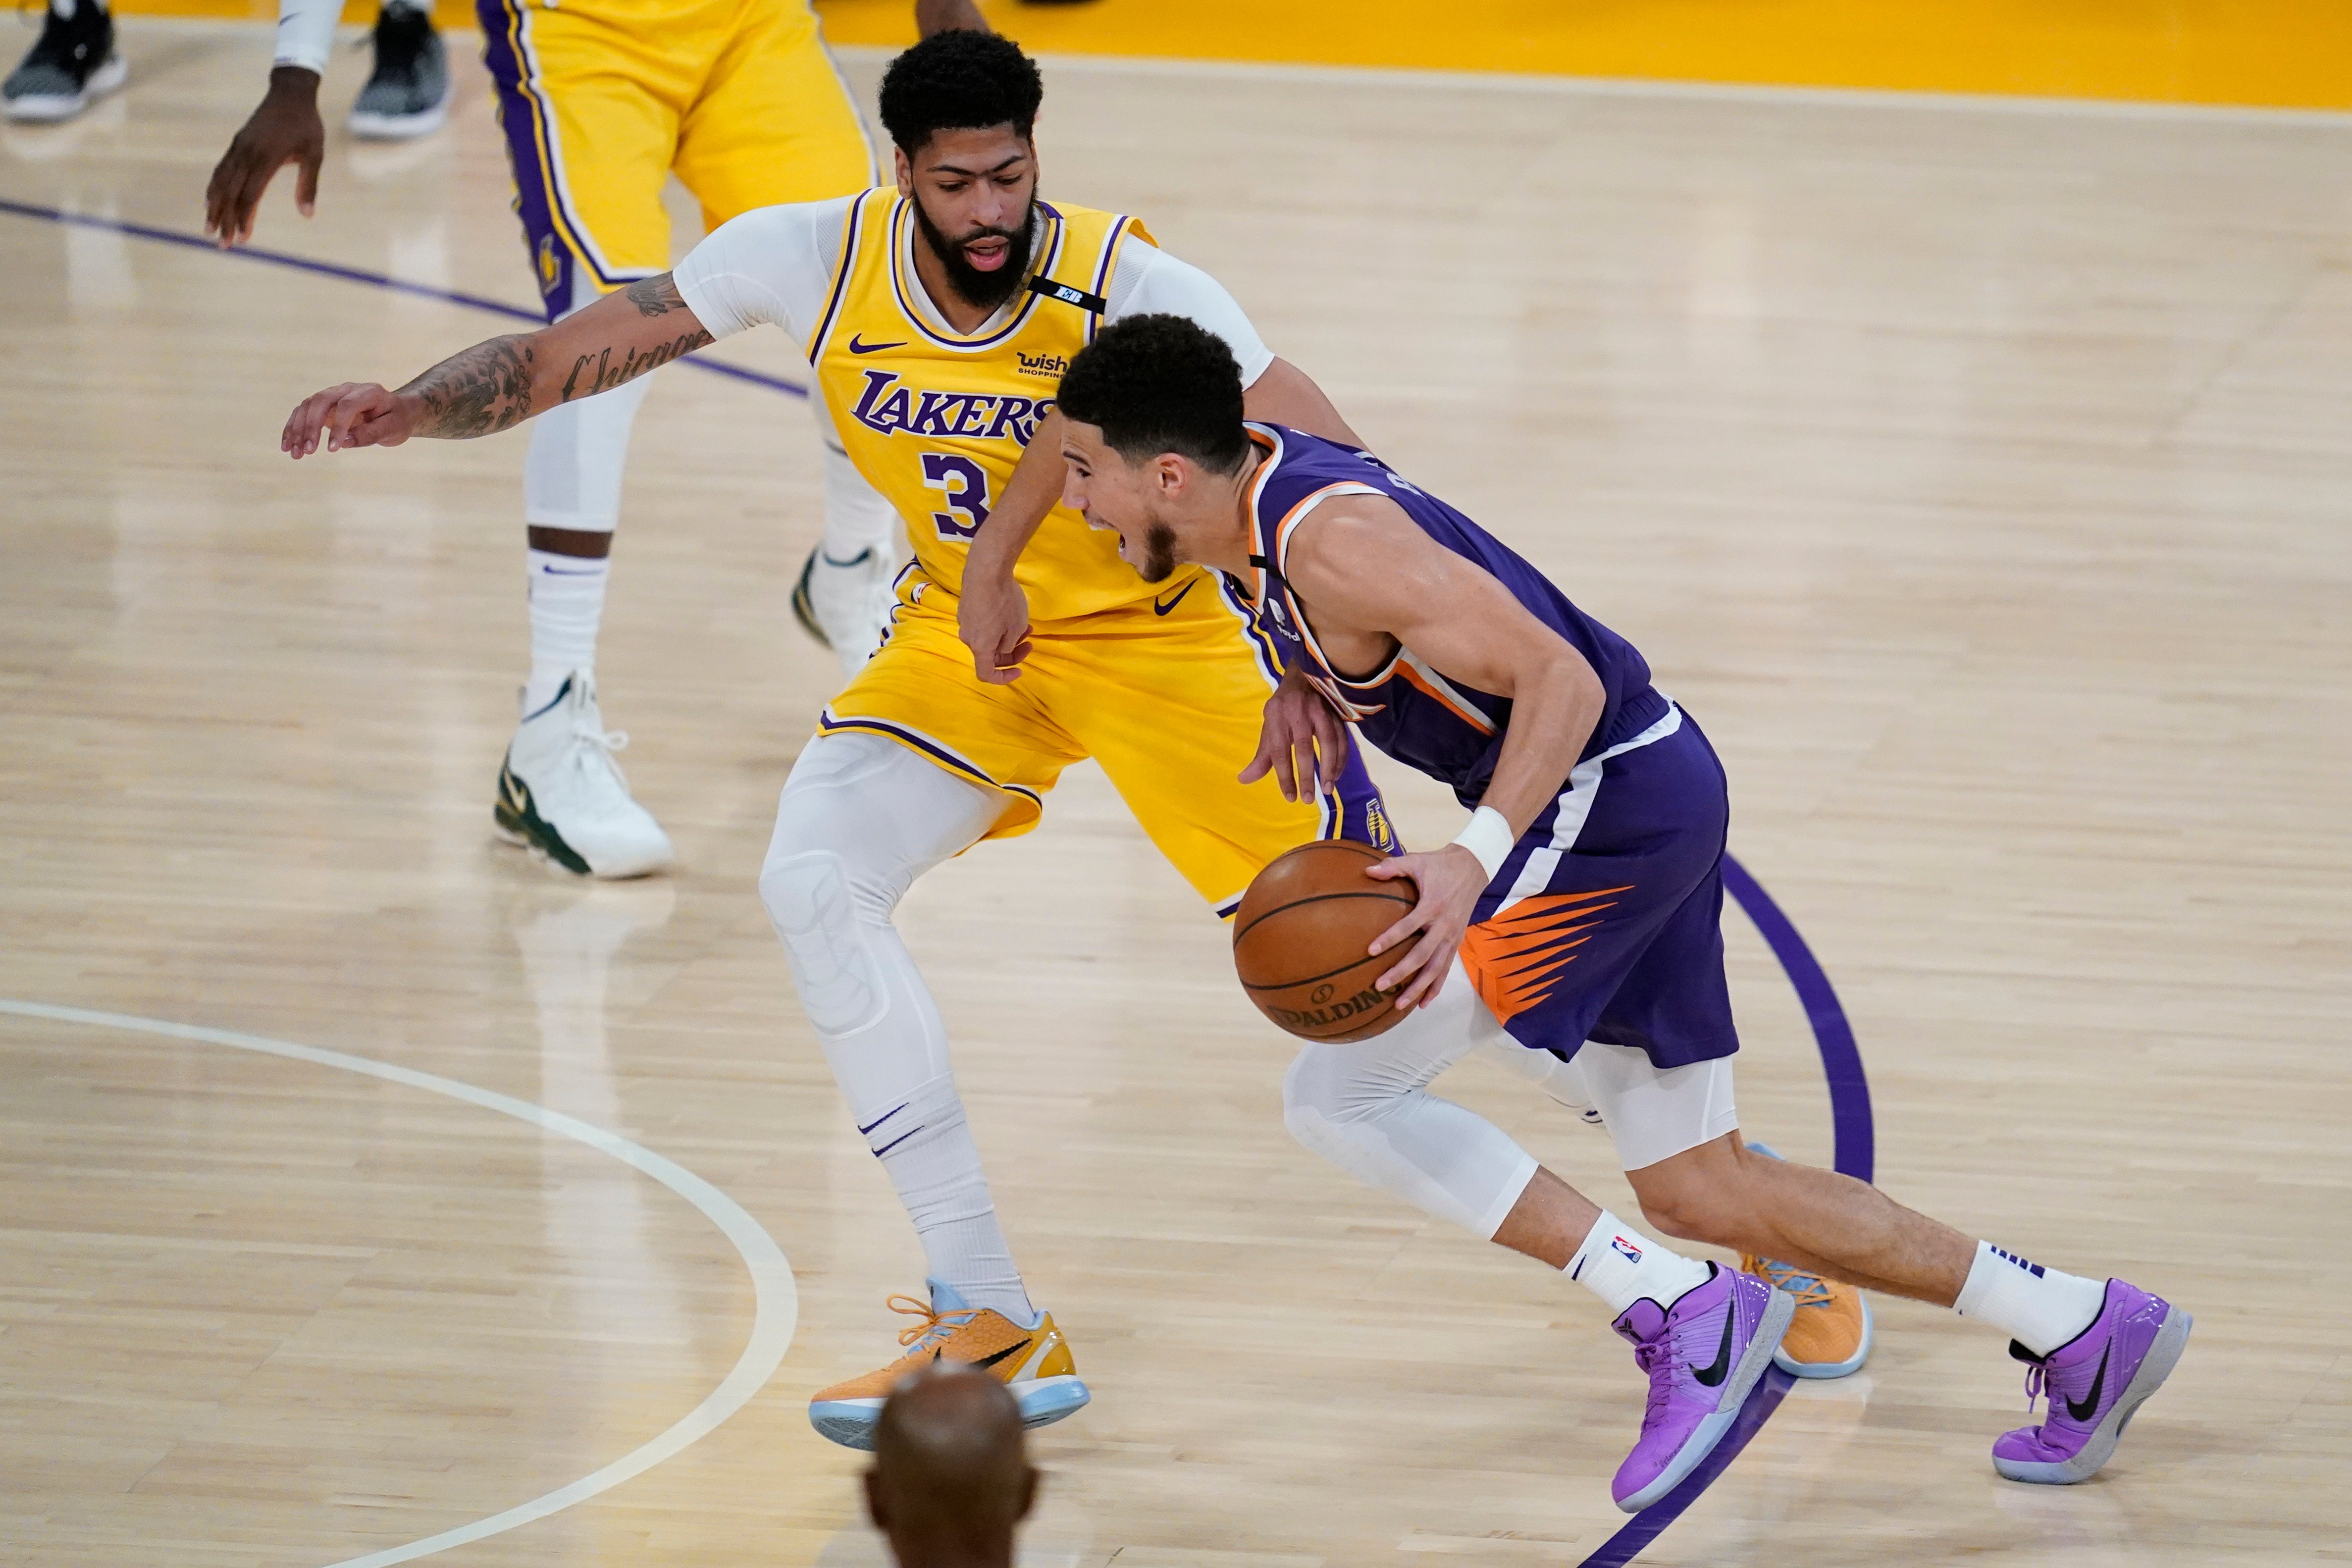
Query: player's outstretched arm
[(497, 385), (1366, 567), (285, 129)]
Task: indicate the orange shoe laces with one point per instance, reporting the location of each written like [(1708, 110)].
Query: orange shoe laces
[(938, 1325), (1810, 1290)]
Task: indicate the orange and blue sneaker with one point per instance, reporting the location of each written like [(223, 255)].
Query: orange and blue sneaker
[(1830, 1336), (1034, 1364)]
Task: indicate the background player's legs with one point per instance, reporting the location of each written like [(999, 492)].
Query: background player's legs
[(572, 504), (591, 130), (69, 66), (861, 817), (845, 589), (407, 92), (773, 123)]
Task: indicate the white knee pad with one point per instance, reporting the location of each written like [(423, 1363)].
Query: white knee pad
[(860, 818), (1366, 1108), (808, 902)]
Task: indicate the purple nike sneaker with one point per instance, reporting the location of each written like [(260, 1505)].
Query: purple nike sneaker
[(2096, 1383), (1703, 1354)]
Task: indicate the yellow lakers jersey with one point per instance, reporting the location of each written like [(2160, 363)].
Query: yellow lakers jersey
[(936, 421)]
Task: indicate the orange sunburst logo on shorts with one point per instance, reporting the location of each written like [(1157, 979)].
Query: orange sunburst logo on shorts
[(1514, 957)]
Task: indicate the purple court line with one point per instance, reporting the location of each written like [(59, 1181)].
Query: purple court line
[(356, 275), (1850, 1119), (1841, 1058), (1650, 1522)]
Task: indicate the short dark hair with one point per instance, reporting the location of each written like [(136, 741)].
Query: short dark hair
[(959, 80), (1160, 384)]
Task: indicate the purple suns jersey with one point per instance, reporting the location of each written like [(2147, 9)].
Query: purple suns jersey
[(1409, 709)]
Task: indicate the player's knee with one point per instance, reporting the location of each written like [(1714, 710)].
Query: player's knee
[(1686, 1208), (1323, 1088), (810, 904)]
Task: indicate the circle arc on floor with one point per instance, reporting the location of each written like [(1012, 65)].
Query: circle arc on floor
[(775, 1299)]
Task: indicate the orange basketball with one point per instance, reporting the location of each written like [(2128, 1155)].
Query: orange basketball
[(1302, 936)]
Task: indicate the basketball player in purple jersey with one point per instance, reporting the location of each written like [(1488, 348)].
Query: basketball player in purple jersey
[(1578, 914)]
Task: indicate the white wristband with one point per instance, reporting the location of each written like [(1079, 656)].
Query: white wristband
[(1489, 837)]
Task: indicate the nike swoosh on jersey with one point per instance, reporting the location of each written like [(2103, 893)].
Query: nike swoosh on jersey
[(1159, 608), (1722, 1367), (2090, 1403), (856, 347)]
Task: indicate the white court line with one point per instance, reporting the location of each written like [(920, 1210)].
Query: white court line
[(776, 1301)]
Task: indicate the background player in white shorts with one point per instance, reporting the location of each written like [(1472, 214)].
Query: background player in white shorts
[(740, 100)]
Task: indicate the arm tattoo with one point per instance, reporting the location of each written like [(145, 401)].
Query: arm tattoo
[(478, 393), (596, 373), (655, 295)]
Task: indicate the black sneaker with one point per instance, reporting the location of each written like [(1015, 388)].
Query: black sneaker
[(409, 94), (72, 66)]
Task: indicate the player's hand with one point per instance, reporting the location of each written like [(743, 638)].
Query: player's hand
[(285, 130), (356, 413), (938, 15), (1450, 881), (993, 618), (1303, 741)]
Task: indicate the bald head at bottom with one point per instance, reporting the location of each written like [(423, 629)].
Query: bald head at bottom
[(951, 1477)]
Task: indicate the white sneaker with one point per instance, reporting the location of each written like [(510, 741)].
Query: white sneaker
[(847, 605), (561, 794)]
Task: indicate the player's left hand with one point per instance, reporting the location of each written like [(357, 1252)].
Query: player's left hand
[(1450, 881), (1302, 741)]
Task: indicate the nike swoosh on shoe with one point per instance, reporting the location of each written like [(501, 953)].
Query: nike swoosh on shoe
[(1715, 1374), (2090, 1404)]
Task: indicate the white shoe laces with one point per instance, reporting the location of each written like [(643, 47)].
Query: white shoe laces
[(588, 742)]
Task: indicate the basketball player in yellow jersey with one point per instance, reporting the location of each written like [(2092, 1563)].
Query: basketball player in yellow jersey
[(600, 101), (939, 316)]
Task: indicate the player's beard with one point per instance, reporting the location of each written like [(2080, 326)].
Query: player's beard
[(1159, 552), (980, 290)]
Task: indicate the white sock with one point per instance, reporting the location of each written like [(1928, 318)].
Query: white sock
[(2039, 1308), (567, 602), (860, 819), (926, 1148), (856, 518), (1621, 1266)]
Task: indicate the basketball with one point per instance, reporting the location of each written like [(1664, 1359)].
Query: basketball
[(1302, 940)]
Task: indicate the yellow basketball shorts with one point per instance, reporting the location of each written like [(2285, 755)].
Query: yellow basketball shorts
[(1170, 702), (602, 100)]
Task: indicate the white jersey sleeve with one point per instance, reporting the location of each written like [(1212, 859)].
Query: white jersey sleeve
[(306, 32), (770, 267), (1150, 281)]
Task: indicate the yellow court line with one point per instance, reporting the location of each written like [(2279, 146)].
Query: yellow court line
[(2284, 54)]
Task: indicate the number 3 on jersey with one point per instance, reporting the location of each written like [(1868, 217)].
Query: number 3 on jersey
[(964, 483)]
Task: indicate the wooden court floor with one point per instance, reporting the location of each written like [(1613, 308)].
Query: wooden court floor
[(1981, 479)]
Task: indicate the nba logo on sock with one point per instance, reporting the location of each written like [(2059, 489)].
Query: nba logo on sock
[(1626, 1249)]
